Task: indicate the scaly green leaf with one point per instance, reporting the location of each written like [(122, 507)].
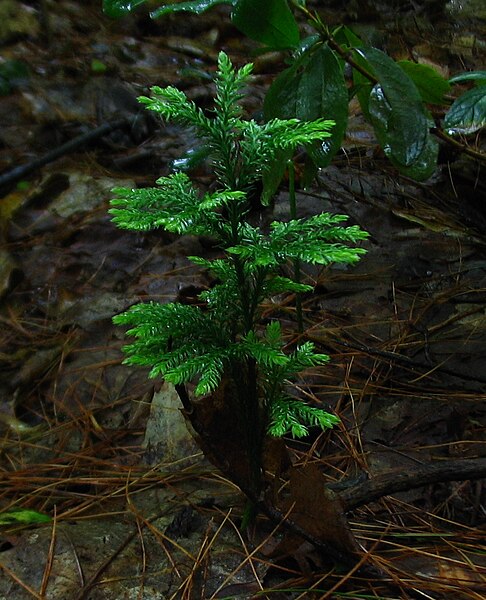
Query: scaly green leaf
[(290, 416)]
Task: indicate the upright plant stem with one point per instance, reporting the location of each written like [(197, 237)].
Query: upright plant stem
[(293, 215), (246, 375)]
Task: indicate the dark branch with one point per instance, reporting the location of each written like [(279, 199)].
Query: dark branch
[(18, 173), (395, 481)]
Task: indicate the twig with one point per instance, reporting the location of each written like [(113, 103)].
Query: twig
[(401, 481), (442, 135), (400, 358), (356, 563), (17, 580), (50, 558), (17, 173)]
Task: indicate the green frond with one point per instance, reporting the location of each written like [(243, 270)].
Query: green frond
[(155, 353), (173, 322), (174, 358), (319, 252), (229, 83), (280, 285), (313, 252), (299, 226), (289, 416), (190, 344), (223, 300), (304, 357), (225, 67), (220, 199), (208, 367), (273, 334), (172, 104), (288, 133), (150, 208), (152, 318), (265, 353), (256, 149), (324, 224), (310, 240), (280, 134), (178, 342), (222, 268), (174, 206), (275, 375), (248, 234), (261, 144)]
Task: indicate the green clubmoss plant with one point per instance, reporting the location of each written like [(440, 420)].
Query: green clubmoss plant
[(223, 337)]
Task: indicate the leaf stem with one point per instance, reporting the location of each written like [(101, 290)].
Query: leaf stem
[(442, 135), (293, 215)]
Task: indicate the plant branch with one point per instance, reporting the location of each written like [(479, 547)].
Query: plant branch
[(396, 480), (293, 215), (18, 173), (402, 359), (347, 55), (442, 135), (354, 562), (327, 37)]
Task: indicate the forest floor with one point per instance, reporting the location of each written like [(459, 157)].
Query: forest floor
[(134, 510)]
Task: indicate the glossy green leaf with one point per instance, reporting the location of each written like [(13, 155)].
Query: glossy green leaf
[(346, 37), (424, 162), (399, 117), (362, 89), (430, 84), (273, 175), (362, 84), (468, 112), (325, 78), (120, 8), (304, 45), (196, 6), (281, 100), (269, 22), (310, 89), (22, 516), (479, 77)]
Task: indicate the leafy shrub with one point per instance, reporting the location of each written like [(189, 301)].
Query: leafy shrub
[(395, 97)]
